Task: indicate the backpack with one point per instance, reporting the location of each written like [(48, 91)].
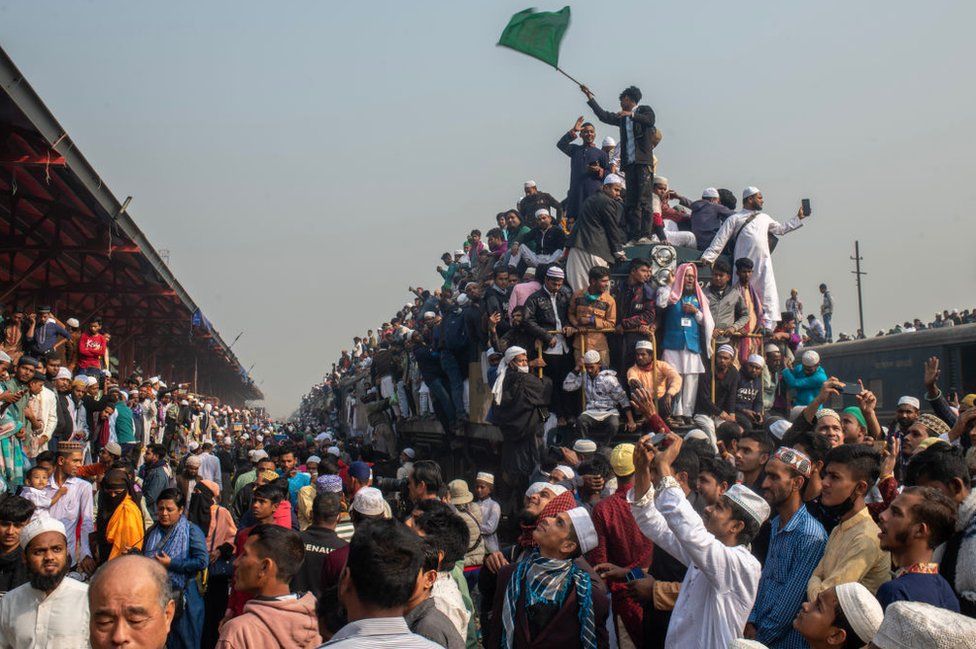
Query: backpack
[(771, 239)]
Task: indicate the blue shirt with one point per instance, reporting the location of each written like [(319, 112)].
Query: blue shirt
[(295, 483), (918, 587), (794, 552)]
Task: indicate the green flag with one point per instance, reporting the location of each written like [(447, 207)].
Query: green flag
[(537, 34)]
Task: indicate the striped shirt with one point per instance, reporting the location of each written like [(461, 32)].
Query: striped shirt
[(379, 632), (794, 551)]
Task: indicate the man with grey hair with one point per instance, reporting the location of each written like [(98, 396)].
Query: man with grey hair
[(131, 603)]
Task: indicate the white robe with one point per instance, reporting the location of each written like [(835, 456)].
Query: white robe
[(753, 243)]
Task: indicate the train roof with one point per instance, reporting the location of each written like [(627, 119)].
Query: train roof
[(957, 335)]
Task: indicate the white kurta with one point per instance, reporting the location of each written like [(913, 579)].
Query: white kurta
[(31, 620), (720, 587), (753, 242)]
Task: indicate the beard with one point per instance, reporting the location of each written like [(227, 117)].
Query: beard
[(47, 583), (527, 518)]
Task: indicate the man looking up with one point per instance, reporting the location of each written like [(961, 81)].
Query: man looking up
[(916, 522), (796, 543), (636, 157), (853, 552), (751, 228), (720, 586)]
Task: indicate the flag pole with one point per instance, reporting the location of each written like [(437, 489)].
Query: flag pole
[(563, 72)]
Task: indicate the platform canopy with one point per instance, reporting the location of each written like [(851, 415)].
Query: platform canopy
[(68, 242)]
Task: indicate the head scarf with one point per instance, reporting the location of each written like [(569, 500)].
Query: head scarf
[(201, 501), (510, 355), (677, 290), (175, 542)]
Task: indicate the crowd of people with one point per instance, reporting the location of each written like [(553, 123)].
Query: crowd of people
[(672, 470)]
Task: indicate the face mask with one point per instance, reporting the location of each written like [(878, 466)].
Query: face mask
[(524, 369), (838, 511)]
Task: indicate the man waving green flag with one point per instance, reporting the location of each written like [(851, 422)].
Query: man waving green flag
[(537, 34)]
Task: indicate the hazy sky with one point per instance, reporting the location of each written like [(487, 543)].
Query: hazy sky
[(305, 161)]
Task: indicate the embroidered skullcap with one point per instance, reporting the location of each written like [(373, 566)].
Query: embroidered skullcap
[(934, 425), (584, 446), (267, 475), (71, 447), (556, 272), (810, 358), (39, 526), (644, 344), (113, 448), (911, 625), (583, 526), (826, 412), (725, 349), (779, 427), (484, 476), (794, 458), (749, 191), (328, 484), (754, 504), (591, 357), (369, 502), (710, 192), (927, 442)]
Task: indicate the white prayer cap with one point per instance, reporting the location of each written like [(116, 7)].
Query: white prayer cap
[(529, 183), (826, 412), (72, 322), (726, 349), (756, 359), (556, 489), (795, 412), (536, 487), (608, 141), (39, 526), (613, 179), (591, 357), (779, 427), (92, 380), (321, 437), (63, 373), (194, 445), (4, 358), (583, 526), (512, 352), (113, 448), (742, 643), (484, 476), (567, 472), (256, 454), (369, 501), (584, 446), (754, 504), (771, 349), (556, 272), (710, 192), (463, 299), (410, 453), (908, 625), (861, 608), (661, 180), (260, 438), (909, 401), (194, 461), (696, 433), (749, 191), (810, 358), (543, 211), (644, 344), (245, 436), (333, 450), (430, 314)]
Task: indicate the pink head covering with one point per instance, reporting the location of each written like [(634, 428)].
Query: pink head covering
[(678, 289)]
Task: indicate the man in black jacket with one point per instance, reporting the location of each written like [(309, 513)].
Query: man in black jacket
[(636, 155), (597, 239), (548, 310)]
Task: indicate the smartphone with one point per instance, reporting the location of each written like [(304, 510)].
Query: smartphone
[(880, 446), (806, 206), (852, 388), (658, 439)]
